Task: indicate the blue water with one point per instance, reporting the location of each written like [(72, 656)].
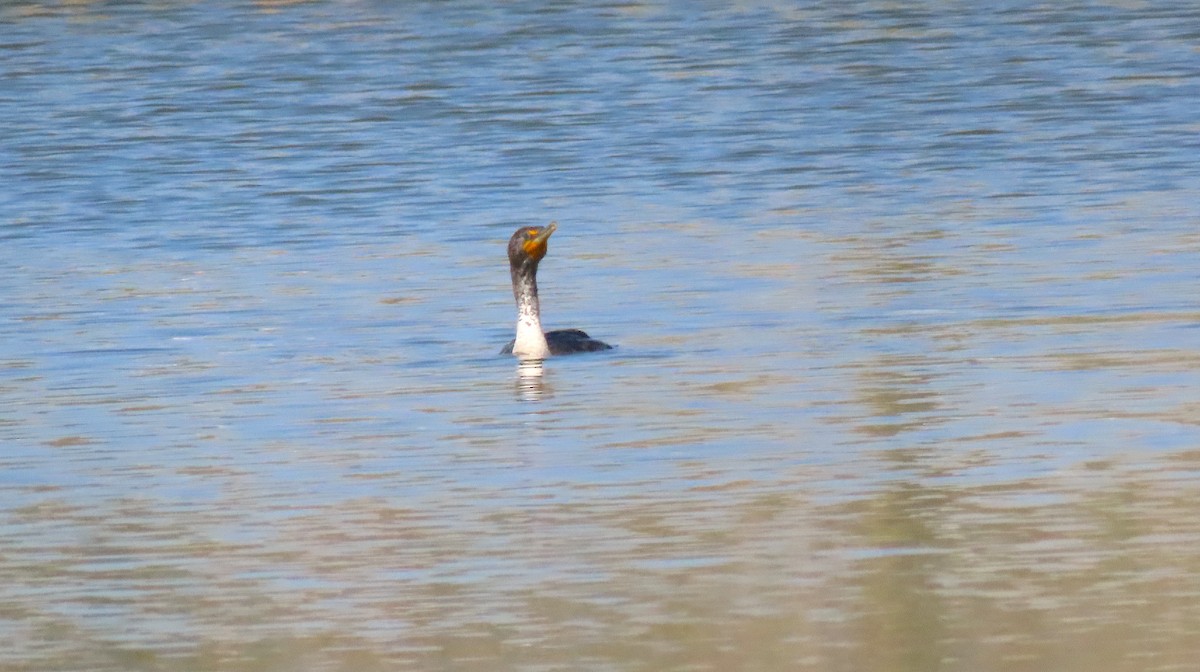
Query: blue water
[(904, 297)]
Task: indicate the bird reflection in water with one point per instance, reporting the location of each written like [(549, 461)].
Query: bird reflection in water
[(531, 385)]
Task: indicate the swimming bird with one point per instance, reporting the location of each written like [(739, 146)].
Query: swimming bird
[(525, 249)]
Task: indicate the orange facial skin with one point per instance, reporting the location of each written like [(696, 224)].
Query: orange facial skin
[(535, 246)]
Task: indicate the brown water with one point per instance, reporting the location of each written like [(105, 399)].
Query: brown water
[(905, 300)]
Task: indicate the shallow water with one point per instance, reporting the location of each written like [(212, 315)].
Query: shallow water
[(904, 297)]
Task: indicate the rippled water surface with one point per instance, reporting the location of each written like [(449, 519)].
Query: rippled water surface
[(905, 296)]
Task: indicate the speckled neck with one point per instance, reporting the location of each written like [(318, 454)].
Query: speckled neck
[(531, 340)]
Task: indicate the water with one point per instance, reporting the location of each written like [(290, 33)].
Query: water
[(904, 296)]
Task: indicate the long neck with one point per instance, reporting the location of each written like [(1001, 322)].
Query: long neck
[(531, 340)]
